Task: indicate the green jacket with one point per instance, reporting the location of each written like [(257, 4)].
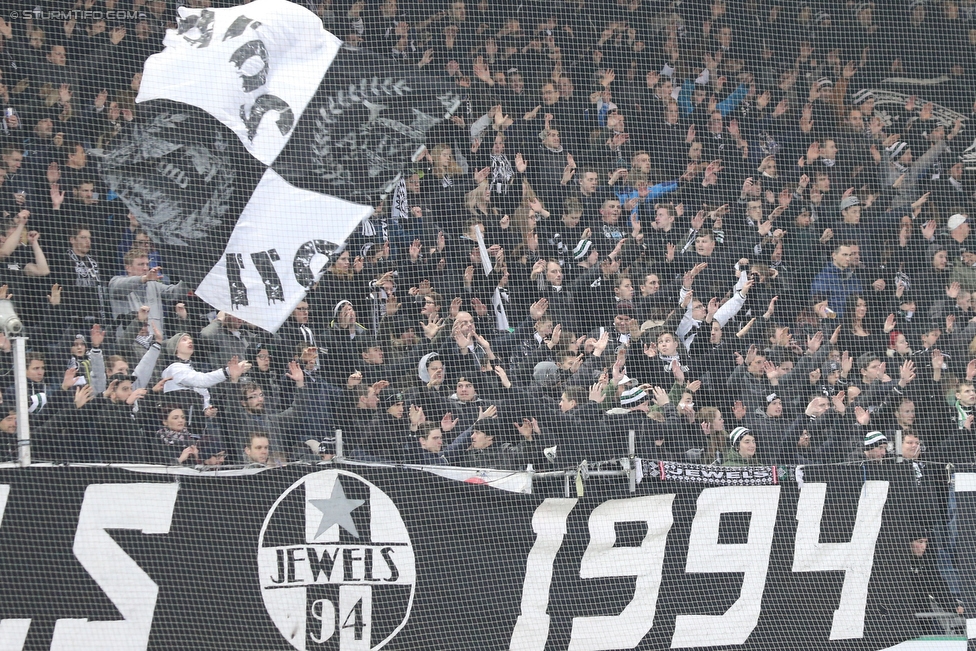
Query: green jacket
[(733, 458)]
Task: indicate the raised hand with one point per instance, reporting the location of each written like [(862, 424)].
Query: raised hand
[(598, 391), (520, 164), (479, 307), (116, 35), (906, 373), (110, 389), (69, 378), (138, 394), (739, 410), (455, 307), (237, 368), (159, 386), (889, 323), (416, 416), (814, 342), (677, 372), (539, 267), (83, 395), (553, 340), (748, 286), (846, 363), (689, 277), (432, 327), (838, 402), (296, 374), (490, 412), (97, 336), (448, 422), (660, 396), (154, 274), (462, 338), (712, 309)]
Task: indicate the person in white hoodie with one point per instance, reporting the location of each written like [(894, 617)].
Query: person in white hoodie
[(697, 312), (184, 383)]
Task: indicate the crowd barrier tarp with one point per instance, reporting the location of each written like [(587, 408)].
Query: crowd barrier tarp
[(317, 557)]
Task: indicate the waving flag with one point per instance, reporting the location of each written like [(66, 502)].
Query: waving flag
[(262, 144)]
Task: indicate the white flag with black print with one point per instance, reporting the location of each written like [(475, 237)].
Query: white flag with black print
[(261, 144)]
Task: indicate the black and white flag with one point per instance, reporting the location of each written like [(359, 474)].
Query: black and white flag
[(262, 144)]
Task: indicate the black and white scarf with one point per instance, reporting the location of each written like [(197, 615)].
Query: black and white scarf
[(37, 398), (173, 437), (501, 173), (667, 359)]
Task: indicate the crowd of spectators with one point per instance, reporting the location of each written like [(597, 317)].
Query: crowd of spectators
[(659, 217), (688, 220)]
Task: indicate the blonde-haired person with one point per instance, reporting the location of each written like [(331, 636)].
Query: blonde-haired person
[(713, 430), (445, 188)]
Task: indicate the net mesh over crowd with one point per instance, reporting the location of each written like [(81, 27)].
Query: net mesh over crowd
[(581, 253)]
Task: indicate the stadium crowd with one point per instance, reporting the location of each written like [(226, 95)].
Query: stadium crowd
[(691, 220), (683, 219), (680, 220)]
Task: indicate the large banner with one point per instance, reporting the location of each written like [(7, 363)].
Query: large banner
[(364, 558), (262, 144)]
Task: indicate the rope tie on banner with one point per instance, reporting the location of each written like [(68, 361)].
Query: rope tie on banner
[(582, 473)]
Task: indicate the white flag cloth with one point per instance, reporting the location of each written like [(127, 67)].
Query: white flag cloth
[(247, 61), (485, 258), (316, 225)]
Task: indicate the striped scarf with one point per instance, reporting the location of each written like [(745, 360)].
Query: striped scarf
[(962, 413), (181, 437)]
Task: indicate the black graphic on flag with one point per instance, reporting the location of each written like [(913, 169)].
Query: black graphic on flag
[(368, 118), (186, 178)]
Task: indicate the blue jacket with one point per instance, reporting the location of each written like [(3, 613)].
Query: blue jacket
[(724, 107), (626, 193), (837, 284)]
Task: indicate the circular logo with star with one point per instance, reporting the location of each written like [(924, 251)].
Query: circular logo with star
[(336, 565)]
